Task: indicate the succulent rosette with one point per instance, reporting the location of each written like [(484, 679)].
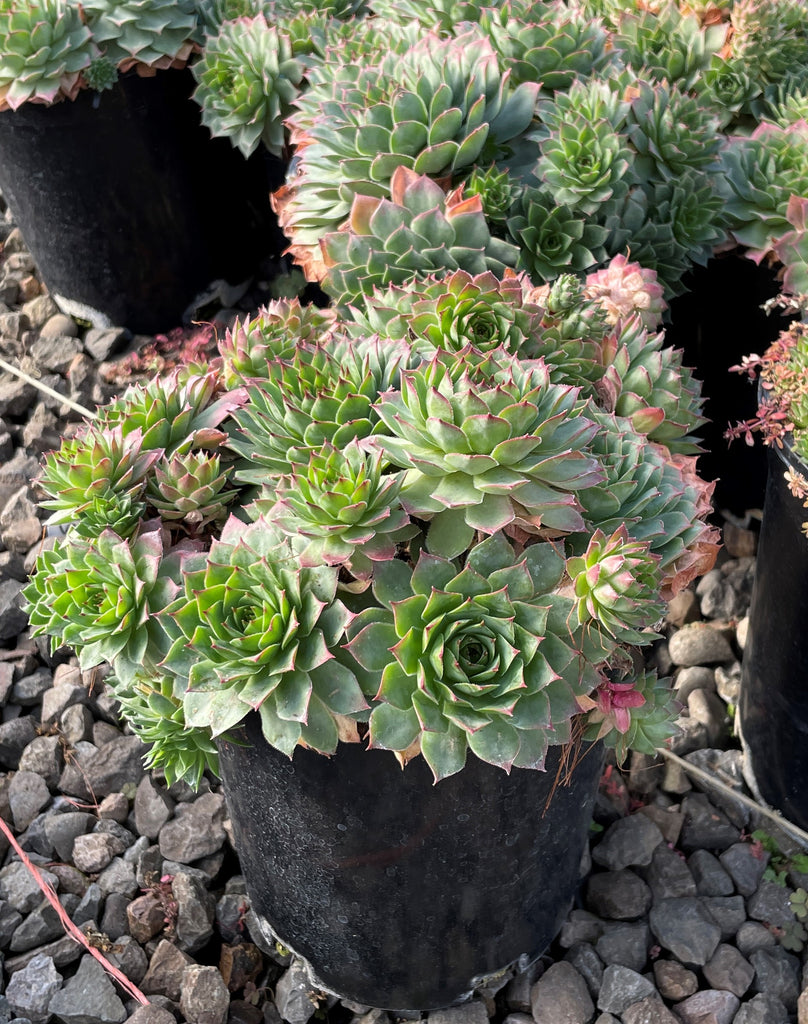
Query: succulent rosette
[(624, 288), (342, 507), (616, 583), (480, 659), (486, 444), (632, 712), (100, 597), (157, 33), (554, 239), (191, 489), (256, 631), (248, 78), (44, 48)]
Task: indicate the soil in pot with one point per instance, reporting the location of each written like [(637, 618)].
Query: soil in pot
[(400, 893)]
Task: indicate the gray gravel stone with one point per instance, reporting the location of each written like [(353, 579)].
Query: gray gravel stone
[(204, 998), (711, 879), (30, 990), (164, 976), (650, 1010), (118, 877), (618, 895), (197, 830), (752, 936), (41, 925), (27, 794), (695, 677), (777, 973), (629, 841), (705, 827), (14, 738), (770, 903), (19, 889), (699, 644), (153, 807), (91, 904), (626, 944), (62, 830), (729, 970), (151, 1014), (622, 987), (745, 864), (195, 912), (560, 996), (668, 875), (12, 618), (588, 964), (728, 912), (685, 928), (709, 1004), (76, 723), (43, 756), (293, 994), (762, 1009), (93, 852), (89, 997)]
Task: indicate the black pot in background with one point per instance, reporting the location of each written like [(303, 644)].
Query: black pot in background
[(716, 323), (399, 893), (773, 708), (127, 205)]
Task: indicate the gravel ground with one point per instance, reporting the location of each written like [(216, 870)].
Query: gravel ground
[(682, 917)]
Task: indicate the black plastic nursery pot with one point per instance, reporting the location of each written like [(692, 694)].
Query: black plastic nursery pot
[(773, 708), (399, 893), (716, 322), (128, 206)]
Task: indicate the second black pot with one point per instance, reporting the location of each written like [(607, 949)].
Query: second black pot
[(773, 707), (400, 893), (127, 205)]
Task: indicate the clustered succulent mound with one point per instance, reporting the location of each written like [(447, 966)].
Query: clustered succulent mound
[(413, 524)]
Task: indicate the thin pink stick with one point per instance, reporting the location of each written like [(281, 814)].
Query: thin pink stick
[(68, 925)]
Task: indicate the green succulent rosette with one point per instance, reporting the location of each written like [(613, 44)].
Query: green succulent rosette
[(97, 469), (632, 712), (44, 48), (153, 706), (256, 631), (158, 33), (479, 659), (191, 490), (617, 583), (486, 444), (248, 78), (554, 239), (342, 507), (101, 596)]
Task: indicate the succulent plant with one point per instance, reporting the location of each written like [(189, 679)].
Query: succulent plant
[(44, 48), (483, 659), (552, 44), (96, 464), (769, 39), (436, 542), (498, 191), (667, 45), (417, 232), (486, 447), (437, 109), (157, 33), (191, 489), (616, 583), (625, 288), (341, 507), (437, 16), (100, 596), (255, 631), (153, 705), (275, 333), (248, 78), (554, 239), (453, 313)]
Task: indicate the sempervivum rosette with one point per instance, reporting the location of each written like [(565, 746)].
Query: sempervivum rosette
[(100, 597), (255, 631), (438, 109), (481, 658), (44, 48), (158, 33), (418, 231), (486, 444), (248, 78), (342, 508), (452, 313)]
